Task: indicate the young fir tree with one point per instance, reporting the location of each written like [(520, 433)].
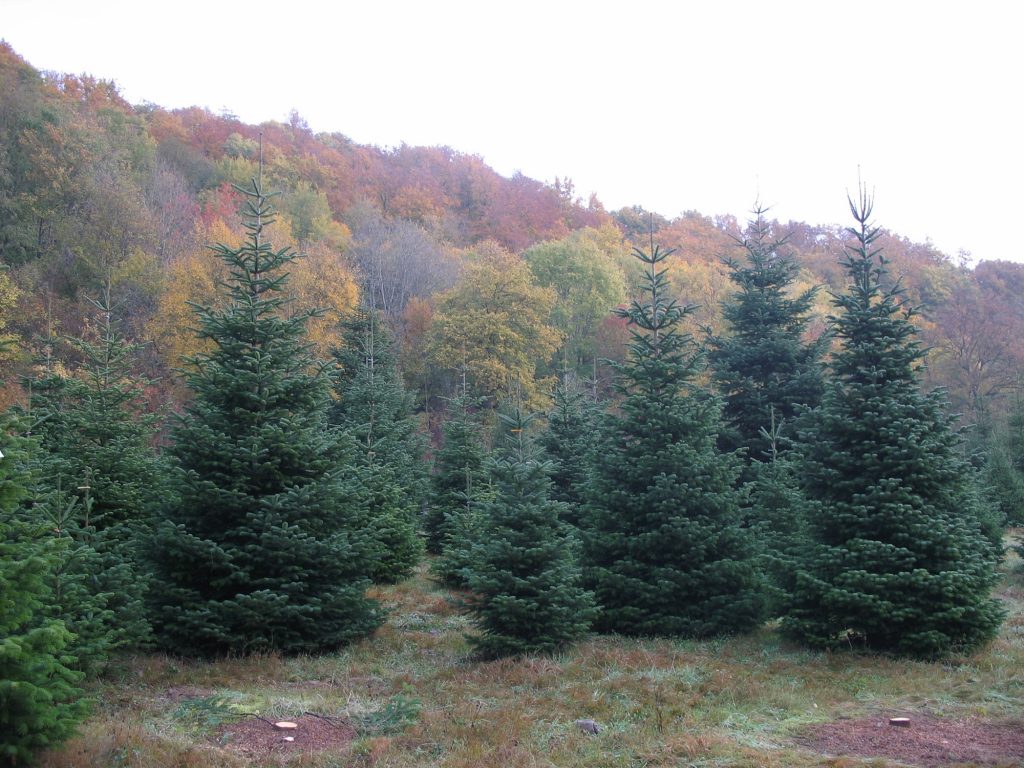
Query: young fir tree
[(664, 548), (567, 441), (460, 485), (898, 561), (264, 545), (764, 366), (525, 575), (458, 470), (776, 517), (374, 408), (98, 479), (39, 702)]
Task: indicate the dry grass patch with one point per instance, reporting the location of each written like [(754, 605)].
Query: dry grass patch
[(416, 697)]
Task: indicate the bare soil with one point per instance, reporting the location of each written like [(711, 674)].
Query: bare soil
[(930, 742), (256, 738)]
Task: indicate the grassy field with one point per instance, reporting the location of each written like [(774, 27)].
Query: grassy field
[(417, 698)]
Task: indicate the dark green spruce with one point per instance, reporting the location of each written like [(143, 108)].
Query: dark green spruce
[(765, 370), (263, 545), (664, 548), (899, 562), (525, 580), (375, 409), (567, 441), (98, 479), (460, 485)]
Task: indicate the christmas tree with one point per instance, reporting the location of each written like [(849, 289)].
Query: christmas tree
[(374, 408), (458, 471), (97, 481), (764, 369), (39, 702), (525, 576), (898, 561), (664, 548), (567, 442), (264, 544)]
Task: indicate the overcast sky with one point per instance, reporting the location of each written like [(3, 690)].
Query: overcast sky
[(671, 105)]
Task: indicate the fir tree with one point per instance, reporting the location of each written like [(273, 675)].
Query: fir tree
[(264, 546), (764, 366), (461, 486), (374, 408), (458, 473), (567, 442), (664, 549), (1004, 467), (899, 562), (525, 575), (39, 702), (777, 518), (97, 481)]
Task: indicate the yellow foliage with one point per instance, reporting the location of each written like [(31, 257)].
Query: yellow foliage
[(704, 284), (320, 279), (9, 294), (495, 323), (323, 279)]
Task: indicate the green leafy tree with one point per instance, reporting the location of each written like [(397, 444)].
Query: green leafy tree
[(898, 562), (40, 704), (264, 545), (374, 408), (764, 367), (664, 548), (525, 576), (588, 284)]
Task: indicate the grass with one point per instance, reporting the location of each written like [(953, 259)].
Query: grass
[(422, 700)]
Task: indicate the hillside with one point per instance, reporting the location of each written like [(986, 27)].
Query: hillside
[(95, 190)]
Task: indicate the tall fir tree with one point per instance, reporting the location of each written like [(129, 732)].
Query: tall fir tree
[(764, 366), (375, 409), (898, 561), (567, 441), (264, 544), (98, 481), (524, 575), (664, 548), (40, 703)]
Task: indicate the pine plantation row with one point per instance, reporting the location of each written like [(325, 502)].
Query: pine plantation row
[(726, 484)]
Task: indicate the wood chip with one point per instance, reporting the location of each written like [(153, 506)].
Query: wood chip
[(285, 725)]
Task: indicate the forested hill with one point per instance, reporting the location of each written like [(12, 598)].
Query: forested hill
[(97, 192)]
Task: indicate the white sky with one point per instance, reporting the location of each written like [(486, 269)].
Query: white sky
[(670, 105)]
